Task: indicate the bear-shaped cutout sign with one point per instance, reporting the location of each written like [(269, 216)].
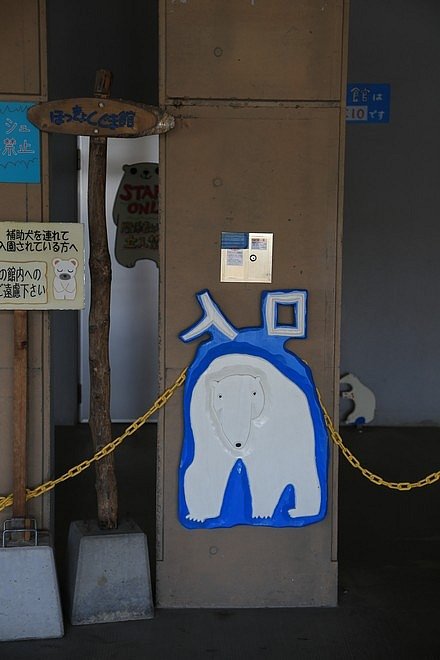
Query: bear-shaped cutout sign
[(136, 214), (255, 447)]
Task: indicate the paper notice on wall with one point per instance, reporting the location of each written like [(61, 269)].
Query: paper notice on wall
[(246, 257), (41, 265)]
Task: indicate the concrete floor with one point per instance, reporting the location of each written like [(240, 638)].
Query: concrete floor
[(389, 566)]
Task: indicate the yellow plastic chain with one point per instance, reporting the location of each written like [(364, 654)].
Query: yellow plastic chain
[(162, 400), (105, 451), (374, 478)]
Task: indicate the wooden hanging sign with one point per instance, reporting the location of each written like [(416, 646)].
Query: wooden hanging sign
[(100, 117)]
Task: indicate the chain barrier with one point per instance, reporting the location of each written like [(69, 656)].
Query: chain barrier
[(162, 400), (374, 478), (104, 451)]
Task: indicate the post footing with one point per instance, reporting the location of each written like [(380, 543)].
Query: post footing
[(30, 605), (109, 573)]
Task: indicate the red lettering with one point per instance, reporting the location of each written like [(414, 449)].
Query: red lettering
[(142, 209), (127, 196), (152, 194)]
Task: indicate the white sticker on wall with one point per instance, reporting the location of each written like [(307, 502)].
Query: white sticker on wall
[(246, 257)]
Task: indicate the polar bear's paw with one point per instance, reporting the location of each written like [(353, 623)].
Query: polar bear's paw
[(265, 517), (194, 518)]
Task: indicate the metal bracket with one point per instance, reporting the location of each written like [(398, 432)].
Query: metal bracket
[(13, 528)]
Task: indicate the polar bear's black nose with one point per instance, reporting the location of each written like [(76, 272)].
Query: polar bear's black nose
[(64, 276), (238, 444)]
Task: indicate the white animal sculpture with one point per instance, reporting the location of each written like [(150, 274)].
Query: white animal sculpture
[(363, 399)]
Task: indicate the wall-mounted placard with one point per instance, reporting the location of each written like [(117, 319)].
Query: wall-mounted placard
[(246, 257), (41, 265), (368, 104), (19, 144), (255, 447), (136, 214)]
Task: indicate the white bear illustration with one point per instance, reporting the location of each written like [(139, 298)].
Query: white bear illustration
[(64, 283), (363, 399), (242, 407)]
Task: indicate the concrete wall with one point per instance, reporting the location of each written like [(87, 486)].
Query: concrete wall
[(391, 287)]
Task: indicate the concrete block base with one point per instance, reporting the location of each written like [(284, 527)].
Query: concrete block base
[(109, 574), (29, 597)]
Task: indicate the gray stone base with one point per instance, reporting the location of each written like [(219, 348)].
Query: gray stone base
[(29, 598), (109, 574)]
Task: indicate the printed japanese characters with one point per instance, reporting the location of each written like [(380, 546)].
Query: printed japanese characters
[(41, 265), (19, 144), (255, 447), (135, 213)]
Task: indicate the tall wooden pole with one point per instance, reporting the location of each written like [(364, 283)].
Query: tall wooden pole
[(96, 117), (99, 320), (20, 413)]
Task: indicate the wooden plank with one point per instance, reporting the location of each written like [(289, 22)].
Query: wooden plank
[(257, 169), (224, 49), (20, 413), (24, 76), (19, 47), (101, 116)]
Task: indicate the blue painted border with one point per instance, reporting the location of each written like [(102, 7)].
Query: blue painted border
[(237, 504)]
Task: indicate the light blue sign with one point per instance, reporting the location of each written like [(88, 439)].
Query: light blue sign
[(368, 104), (19, 144), (255, 447)]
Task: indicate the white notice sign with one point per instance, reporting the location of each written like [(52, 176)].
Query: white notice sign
[(41, 265), (246, 257)]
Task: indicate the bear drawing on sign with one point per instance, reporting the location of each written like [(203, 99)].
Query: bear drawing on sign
[(255, 447), (260, 418), (64, 283), (136, 214)]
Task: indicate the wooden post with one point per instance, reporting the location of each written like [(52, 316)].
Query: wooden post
[(99, 320), (96, 117), (20, 413)]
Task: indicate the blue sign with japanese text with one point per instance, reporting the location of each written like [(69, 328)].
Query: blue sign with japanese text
[(19, 144), (368, 104)]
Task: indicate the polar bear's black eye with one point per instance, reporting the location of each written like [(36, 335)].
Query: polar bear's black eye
[(133, 170), (220, 396), (254, 394)]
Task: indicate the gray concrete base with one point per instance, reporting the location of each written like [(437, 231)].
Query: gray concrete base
[(109, 574), (29, 597)]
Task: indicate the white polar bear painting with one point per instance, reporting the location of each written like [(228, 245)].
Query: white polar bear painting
[(255, 448)]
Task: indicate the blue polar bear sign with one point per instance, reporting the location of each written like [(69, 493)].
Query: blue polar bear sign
[(255, 447)]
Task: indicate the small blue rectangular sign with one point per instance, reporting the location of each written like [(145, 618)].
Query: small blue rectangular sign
[(19, 144), (368, 104), (235, 240)]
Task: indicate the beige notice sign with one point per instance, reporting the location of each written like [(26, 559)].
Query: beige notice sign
[(41, 265)]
